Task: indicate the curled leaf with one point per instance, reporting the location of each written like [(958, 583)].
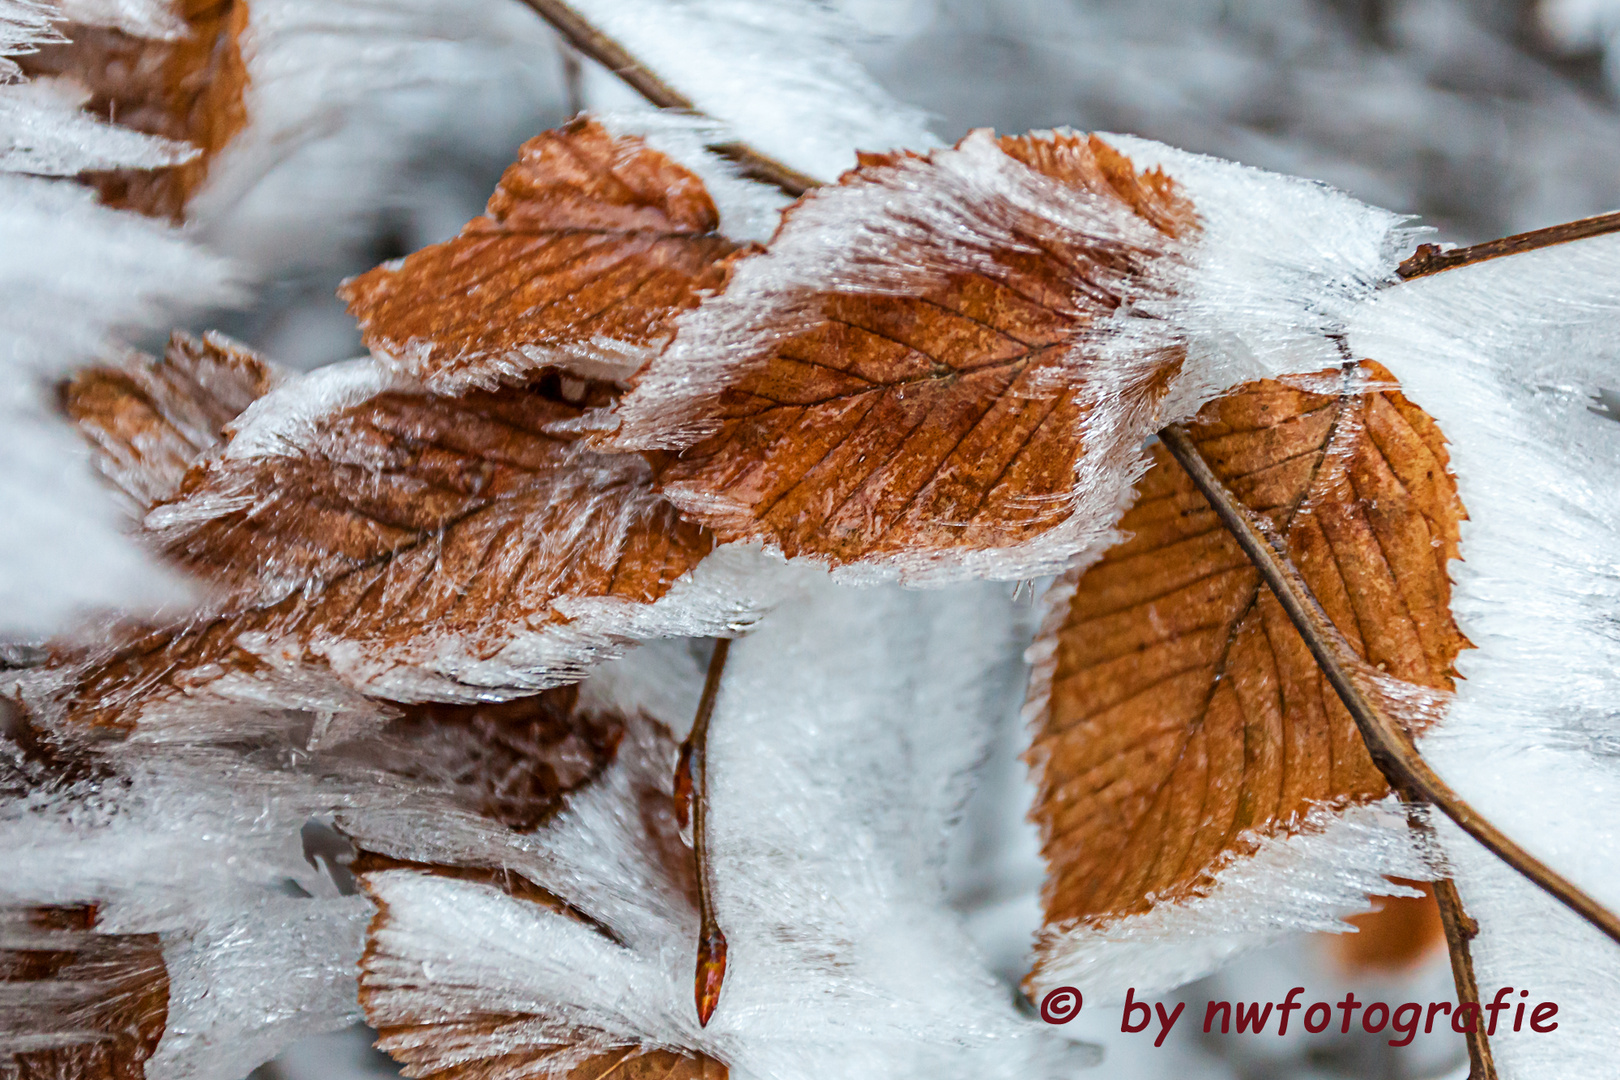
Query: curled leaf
[(1179, 718), (590, 247)]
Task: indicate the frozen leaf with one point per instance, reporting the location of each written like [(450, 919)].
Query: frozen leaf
[(590, 247), (74, 1003), (189, 88), (150, 420), (940, 361), (1179, 718), (411, 546)]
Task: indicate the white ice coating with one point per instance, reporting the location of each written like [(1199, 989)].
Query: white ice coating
[(778, 73), (203, 849), (344, 96), (837, 758), (44, 132), (1518, 360), (1304, 881)]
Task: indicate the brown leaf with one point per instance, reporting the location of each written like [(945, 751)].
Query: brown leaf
[(1180, 716), (590, 247), (1399, 934), (150, 420), (75, 1004), (190, 89), (961, 373), (414, 546)]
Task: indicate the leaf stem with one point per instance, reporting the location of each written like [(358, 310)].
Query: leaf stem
[(578, 32), (1391, 747), (711, 953), (1429, 259)]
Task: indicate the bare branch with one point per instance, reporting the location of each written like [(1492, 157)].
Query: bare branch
[(1429, 259), (1460, 930), (579, 33)]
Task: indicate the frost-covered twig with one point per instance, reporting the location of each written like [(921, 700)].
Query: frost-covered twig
[(579, 33)]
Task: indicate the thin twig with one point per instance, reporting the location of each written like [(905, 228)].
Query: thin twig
[(1460, 930), (692, 782), (578, 32), (1429, 259), (1388, 743)]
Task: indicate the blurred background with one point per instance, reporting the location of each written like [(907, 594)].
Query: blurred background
[(1484, 117)]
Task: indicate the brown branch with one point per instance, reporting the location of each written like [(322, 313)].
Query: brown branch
[(692, 795), (1429, 259), (1388, 743), (590, 41), (1460, 930)]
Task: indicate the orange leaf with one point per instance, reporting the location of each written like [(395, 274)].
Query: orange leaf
[(77, 1004), (591, 245), (937, 357), (149, 420), (190, 90), (1180, 717)]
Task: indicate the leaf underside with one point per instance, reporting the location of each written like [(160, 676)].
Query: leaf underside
[(1185, 717), (191, 89)]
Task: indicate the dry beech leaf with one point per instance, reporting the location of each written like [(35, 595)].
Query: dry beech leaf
[(1399, 934), (190, 89), (75, 1004), (1179, 717), (457, 1024), (150, 420), (590, 247), (955, 372), (412, 546)]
